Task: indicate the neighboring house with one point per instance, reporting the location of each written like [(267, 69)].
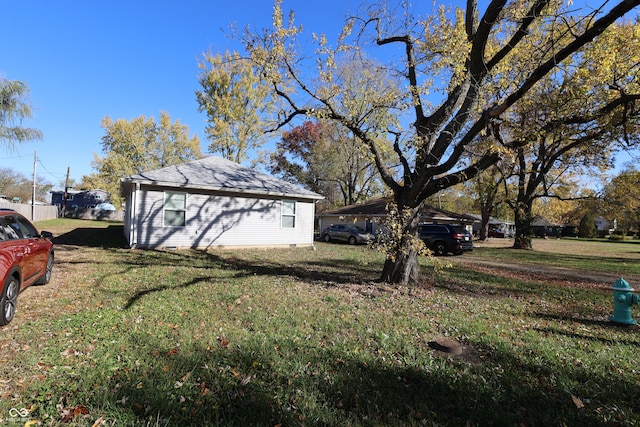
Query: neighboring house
[(541, 227), (371, 214), (214, 202), (606, 227), (508, 228), (79, 199)]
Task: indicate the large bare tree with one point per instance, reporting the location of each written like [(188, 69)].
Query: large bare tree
[(455, 79), (573, 121)]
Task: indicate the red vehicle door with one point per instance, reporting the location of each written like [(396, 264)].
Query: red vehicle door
[(23, 245), (36, 250)]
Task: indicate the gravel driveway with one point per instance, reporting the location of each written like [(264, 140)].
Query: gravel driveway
[(549, 273)]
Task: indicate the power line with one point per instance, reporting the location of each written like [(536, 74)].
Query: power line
[(15, 157), (57, 176)]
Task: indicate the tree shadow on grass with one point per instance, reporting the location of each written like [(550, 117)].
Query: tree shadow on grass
[(485, 285), (140, 294), (320, 272), (331, 272), (257, 383), (109, 237), (605, 325)]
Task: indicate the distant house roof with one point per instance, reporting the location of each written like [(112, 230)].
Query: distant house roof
[(539, 221), (72, 191), (492, 220), (378, 207), (218, 174)]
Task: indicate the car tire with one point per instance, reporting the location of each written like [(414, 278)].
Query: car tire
[(326, 238), (9, 299), (48, 271), (352, 240), (439, 249)]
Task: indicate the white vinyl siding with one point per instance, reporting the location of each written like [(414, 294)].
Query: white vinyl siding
[(218, 219)]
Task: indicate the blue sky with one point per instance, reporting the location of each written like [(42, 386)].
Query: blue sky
[(85, 60)]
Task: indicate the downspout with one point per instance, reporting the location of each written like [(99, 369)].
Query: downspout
[(313, 227), (134, 216)]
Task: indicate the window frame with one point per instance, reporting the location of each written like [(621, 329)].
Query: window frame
[(287, 215), (168, 208), (28, 230)]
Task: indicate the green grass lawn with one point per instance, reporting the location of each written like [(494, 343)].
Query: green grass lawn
[(600, 255), (306, 337)]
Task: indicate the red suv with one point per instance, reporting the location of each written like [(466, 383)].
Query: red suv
[(26, 258)]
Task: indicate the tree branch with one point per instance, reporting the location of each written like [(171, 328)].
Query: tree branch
[(520, 33), (411, 69), (588, 36), (471, 19)]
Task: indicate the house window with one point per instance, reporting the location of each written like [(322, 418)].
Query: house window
[(288, 214), (175, 206)]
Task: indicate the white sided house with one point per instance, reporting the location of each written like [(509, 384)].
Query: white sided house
[(214, 202)]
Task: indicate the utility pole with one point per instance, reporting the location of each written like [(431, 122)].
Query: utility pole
[(33, 194), (66, 190)]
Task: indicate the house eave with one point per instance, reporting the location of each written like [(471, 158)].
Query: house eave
[(246, 191)]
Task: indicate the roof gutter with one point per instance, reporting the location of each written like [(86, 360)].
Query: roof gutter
[(138, 182)]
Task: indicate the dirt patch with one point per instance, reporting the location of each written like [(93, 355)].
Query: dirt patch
[(544, 273)]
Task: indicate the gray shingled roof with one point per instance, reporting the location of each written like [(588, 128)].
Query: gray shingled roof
[(378, 207), (216, 173)]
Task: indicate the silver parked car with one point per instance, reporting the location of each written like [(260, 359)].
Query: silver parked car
[(349, 233)]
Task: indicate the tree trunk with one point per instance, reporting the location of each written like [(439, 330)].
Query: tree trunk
[(523, 220), (484, 222), (401, 265), (403, 270)]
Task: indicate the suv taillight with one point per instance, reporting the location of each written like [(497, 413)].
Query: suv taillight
[(458, 236)]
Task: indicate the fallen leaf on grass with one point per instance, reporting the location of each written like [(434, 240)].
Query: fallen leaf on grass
[(180, 383), (69, 414), (577, 401)]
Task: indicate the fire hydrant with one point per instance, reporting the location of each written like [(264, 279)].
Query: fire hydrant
[(623, 299)]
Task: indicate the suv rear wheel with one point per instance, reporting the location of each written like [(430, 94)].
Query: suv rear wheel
[(44, 280), (439, 248)]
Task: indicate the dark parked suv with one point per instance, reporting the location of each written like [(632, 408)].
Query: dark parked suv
[(445, 238)]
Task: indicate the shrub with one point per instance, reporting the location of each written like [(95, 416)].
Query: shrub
[(588, 226)]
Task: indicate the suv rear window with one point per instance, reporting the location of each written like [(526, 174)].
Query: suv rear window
[(433, 229)]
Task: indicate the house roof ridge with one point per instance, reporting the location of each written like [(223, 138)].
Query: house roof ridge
[(217, 173)]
